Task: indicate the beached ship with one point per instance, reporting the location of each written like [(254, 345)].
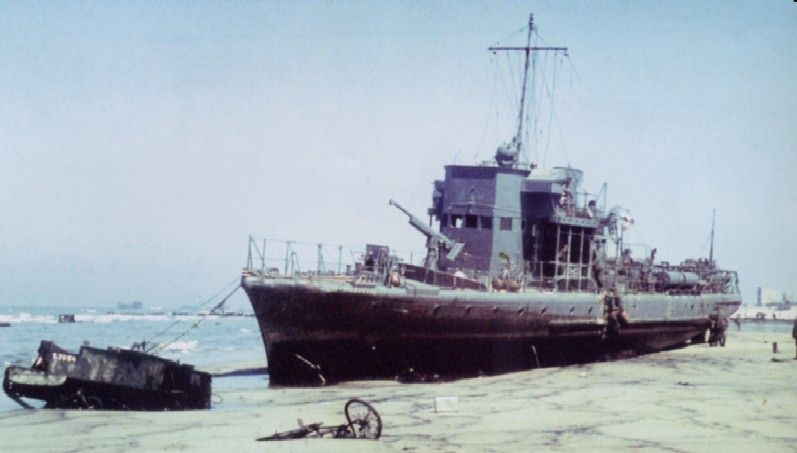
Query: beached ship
[(523, 269)]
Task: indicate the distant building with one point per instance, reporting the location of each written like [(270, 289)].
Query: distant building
[(777, 299)]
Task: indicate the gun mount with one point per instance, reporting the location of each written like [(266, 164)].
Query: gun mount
[(434, 240)]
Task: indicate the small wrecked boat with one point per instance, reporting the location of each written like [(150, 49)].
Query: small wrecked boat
[(110, 378), (66, 319)]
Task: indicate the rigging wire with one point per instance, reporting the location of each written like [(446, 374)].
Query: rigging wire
[(532, 134), (559, 132), (551, 95), (533, 100), (539, 88), (561, 138), (638, 233), (489, 114), (566, 54), (526, 137), (512, 81), (538, 113), (510, 96), (506, 90), (158, 347), (570, 61), (510, 36), (199, 307), (552, 113), (537, 102)]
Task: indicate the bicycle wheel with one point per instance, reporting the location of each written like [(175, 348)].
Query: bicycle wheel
[(364, 421)]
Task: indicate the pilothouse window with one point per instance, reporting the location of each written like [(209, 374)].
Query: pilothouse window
[(456, 221), (470, 221), (506, 223), (487, 223)]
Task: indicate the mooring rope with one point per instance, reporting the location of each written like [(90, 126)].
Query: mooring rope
[(157, 347), (199, 307)]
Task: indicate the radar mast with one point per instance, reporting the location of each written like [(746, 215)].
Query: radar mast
[(507, 154)]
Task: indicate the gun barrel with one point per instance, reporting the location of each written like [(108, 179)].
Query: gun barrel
[(400, 208), (453, 246), (414, 221)]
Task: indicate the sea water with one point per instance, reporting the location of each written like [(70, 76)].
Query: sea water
[(207, 342)]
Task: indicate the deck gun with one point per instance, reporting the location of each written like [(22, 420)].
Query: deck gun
[(434, 240)]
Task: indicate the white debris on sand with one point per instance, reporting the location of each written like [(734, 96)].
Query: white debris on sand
[(699, 398)]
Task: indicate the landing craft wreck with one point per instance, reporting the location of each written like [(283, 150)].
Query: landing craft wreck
[(523, 269), (110, 378)]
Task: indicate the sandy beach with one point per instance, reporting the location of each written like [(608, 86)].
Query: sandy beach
[(739, 398)]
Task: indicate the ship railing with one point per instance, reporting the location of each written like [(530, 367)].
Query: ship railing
[(635, 277), (517, 165), (560, 276), (572, 210), (283, 257)]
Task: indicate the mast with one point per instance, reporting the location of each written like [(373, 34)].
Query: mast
[(509, 153), (525, 81), (711, 249)]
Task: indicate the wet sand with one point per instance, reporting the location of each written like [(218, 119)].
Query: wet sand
[(694, 399)]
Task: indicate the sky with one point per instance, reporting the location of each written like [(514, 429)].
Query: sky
[(142, 144)]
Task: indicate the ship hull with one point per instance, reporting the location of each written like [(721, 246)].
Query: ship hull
[(317, 334)]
